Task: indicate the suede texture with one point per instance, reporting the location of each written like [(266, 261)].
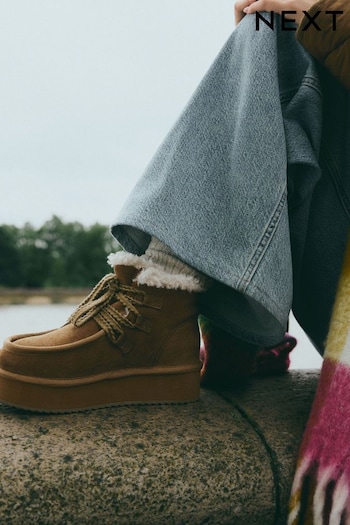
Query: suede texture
[(164, 334)]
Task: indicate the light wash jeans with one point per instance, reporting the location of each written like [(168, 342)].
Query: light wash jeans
[(231, 187)]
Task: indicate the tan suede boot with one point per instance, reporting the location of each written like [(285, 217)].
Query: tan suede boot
[(124, 344)]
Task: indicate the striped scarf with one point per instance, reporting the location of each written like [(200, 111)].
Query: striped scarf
[(321, 488)]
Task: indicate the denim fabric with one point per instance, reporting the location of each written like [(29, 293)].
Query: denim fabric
[(242, 159)]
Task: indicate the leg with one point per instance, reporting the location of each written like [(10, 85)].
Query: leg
[(216, 191), (135, 340)]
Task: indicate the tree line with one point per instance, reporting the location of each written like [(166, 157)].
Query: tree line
[(57, 254)]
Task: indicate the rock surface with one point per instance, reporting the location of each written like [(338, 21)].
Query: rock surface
[(227, 459)]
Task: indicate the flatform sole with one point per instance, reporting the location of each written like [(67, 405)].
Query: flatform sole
[(156, 386)]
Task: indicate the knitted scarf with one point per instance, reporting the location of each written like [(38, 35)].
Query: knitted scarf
[(321, 488)]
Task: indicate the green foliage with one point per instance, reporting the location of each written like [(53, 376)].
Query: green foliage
[(10, 265), (56, 254)]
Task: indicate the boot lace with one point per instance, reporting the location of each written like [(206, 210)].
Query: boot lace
[(98, 306)]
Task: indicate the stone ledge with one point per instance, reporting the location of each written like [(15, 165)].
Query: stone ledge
[(228, 459)]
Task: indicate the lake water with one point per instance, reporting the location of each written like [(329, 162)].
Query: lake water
[(16, 319)]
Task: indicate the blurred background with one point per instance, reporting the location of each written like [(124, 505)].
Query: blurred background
[(89, 90)]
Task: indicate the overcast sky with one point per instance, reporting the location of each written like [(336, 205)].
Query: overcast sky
[(89, 89)]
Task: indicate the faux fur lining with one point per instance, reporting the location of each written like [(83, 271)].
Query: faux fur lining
[(159, 278), (127, 259), (152, 274)]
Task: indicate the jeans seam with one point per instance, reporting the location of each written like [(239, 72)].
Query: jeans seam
[(264, 242)]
